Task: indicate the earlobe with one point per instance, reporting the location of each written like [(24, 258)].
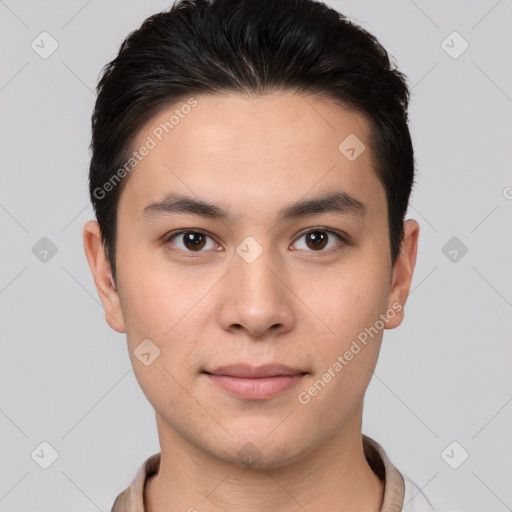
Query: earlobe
[(101, 272), (402, 274)]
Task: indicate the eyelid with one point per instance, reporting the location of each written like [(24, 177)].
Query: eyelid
[(172, 234), (336, 232)]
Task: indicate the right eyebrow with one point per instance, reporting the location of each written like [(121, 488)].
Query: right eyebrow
[(178, 203)]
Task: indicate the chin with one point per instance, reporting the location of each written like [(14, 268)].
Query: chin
[(262, 451)]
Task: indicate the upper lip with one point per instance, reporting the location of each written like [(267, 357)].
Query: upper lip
[(246, 370)]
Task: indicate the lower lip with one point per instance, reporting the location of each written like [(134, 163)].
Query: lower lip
[(256, 388)]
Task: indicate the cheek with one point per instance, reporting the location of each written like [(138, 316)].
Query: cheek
[(349, 302), (345, 300), (345, 359), (154, 310), (171, 310), (155, 297)]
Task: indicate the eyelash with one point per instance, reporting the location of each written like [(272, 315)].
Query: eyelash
[(343, 238)]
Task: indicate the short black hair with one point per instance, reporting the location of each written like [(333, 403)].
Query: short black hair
[(251, 48)]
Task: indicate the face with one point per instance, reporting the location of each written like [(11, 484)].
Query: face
[(248, 280)]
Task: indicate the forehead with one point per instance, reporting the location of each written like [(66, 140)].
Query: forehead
[(249, 151)]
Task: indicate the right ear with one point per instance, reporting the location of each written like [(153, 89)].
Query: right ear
[(101, 272)]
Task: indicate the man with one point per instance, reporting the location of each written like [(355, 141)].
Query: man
[(251, 169)]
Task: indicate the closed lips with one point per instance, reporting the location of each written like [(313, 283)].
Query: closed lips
[(246, 371)]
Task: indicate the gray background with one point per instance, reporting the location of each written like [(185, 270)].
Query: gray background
[(444, 374)]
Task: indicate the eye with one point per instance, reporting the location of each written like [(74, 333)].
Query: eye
[(318, 239), (191, 240)]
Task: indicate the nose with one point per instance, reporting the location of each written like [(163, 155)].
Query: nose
[(255, 297)]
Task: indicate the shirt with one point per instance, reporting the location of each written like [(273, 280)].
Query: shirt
[(400, 493)]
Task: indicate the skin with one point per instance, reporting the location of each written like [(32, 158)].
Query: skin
[(295, 304)]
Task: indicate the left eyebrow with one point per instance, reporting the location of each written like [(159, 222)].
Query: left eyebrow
[(332, 202)]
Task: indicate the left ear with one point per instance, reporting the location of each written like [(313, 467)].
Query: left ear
[(402, 274)]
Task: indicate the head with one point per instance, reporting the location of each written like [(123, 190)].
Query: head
[(215, 120)]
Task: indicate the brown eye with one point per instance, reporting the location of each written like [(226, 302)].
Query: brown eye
[(318, 239), (189, 241), (193, 240)]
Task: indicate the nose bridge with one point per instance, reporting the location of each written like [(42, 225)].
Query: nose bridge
[(255, 298), (253, 262)]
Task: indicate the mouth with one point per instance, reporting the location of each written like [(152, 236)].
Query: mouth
[(255, 383)]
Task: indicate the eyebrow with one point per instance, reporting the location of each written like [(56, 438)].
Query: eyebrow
[(338, 202)]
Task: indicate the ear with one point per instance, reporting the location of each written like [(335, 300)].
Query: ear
[(102, 275), (402, 274)]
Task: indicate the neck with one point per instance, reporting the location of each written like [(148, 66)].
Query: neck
[(334, 476)]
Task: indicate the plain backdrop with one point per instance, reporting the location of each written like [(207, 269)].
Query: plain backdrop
[(443, 385)]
